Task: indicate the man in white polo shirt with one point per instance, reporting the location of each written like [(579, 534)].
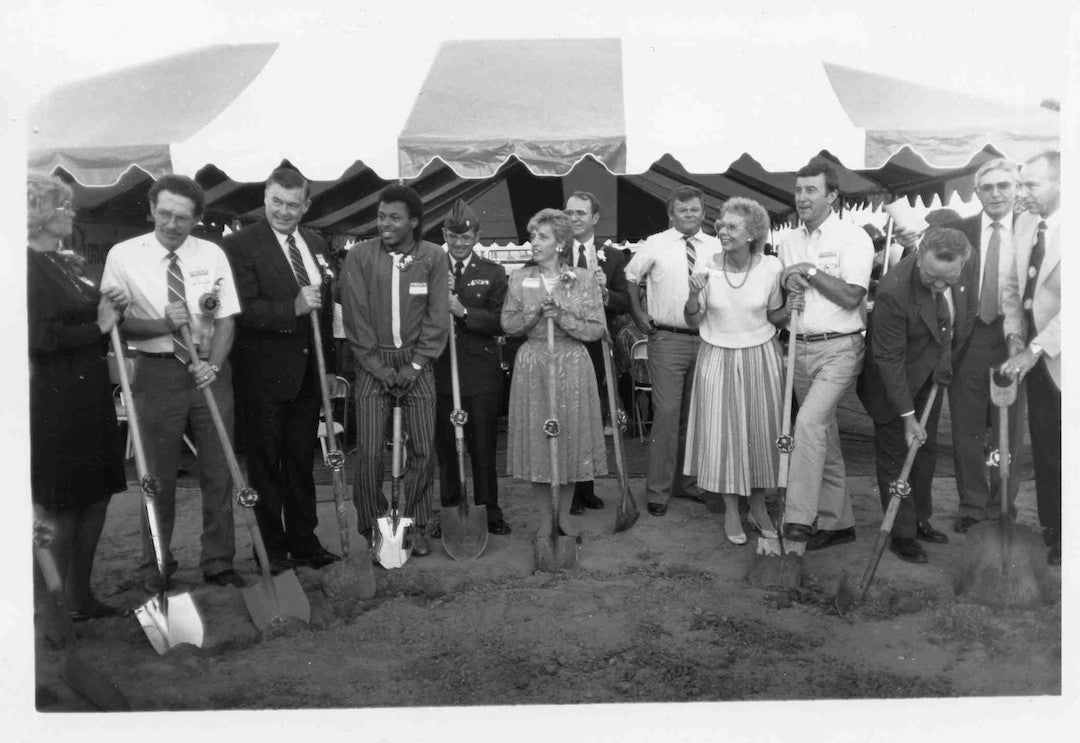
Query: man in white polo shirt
[(829, 261), (174, 279), (666, 261)]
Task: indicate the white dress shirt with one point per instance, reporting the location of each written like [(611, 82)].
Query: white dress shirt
[(590, 252), (1005, 240), (840, 249), (139, 267), (661, 260), (314, 275)]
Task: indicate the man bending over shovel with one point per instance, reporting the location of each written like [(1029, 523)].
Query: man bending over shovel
[(922, 315), (394, 301)]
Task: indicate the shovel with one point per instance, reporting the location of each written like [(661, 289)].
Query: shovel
[(464, 529), (391, 548), (96, 688), (168, 621), (275, 597), (555, 551), (626, 515), (770, 567), (899, 489), (347, 577), (1003, 564)]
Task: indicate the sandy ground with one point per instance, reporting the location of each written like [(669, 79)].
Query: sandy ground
[(661, 613)]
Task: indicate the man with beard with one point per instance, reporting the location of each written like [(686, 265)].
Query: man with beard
[(666, 261), (282, 278), (829, 261), (608, 265), (394, 303), (476, 305)]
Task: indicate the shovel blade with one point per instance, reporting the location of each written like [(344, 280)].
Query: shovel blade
[(92, 686), (165, 630), (566, 553), (544, 551), (627, 513), (464, 531), (845, 598), (268, 605), (391, 549)]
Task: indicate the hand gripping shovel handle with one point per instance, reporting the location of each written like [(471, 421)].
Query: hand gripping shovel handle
[(335, 459), (147, 482), (785, 443), (245, 495), (900, 489)]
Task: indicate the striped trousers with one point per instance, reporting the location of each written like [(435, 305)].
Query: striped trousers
[(374, 418)]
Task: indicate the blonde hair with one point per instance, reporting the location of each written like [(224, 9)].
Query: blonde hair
[(44, 193)]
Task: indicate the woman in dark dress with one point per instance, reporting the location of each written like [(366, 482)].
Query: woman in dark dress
[(76, 459)]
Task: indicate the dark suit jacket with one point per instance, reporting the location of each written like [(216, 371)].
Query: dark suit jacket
[(273, 346), (902, 342), (482, 289)]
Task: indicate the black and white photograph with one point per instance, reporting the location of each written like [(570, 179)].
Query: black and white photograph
[(579, 372)]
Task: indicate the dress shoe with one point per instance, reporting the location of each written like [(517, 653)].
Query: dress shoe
[(962, 524), (1051, 536), (657, 509), (225, 578), (317, 558), (907, 549), (591, 500), (830, 538), (155, 584), (736, 539), (420, 545), (576, 506), (1053, 557), (498, 526), (797, 532), (278, 563), (925, 531), (434, 529)]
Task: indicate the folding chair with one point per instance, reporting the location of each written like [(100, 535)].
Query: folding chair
[(341, 390), (121, 409), (639, 372)]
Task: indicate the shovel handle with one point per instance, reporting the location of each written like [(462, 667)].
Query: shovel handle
[(337, 473), (553, 445), (459, 428), (234, 469), (140, 452), (894, 503), (789, 393)]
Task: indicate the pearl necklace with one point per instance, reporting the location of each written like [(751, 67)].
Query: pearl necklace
[(723, 270)]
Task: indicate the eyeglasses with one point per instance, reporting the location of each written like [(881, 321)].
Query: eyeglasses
[(989, 188), (164, 216)]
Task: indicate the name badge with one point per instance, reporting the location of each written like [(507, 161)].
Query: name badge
[(530, 283), (417, 287)]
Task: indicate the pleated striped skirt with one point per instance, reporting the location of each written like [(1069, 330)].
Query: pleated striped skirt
[(734, 419)]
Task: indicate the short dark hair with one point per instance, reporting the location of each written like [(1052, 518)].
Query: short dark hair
[(180, 185), (289, 179), (1051, 158), (412, 201), (685, 193), (945, 243), (820, 167), (594, 203)]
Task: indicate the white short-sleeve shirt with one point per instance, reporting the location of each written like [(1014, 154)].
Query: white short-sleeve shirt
[(662, 261), (139, 267), (840, 249)]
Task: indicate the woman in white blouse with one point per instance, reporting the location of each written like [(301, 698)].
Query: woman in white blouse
[(738, 383)]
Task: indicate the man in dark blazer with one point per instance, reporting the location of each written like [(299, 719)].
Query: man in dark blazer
[(583, 208), (282, 278), (974, 418), (922, 315), (476, 299)]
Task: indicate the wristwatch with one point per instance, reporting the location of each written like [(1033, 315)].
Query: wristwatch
[(215, 368), (416, 366), (811, 273)]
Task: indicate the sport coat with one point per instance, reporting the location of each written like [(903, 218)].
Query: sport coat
[(273, 346), (903, 341), (482, 289), (1046, 302)]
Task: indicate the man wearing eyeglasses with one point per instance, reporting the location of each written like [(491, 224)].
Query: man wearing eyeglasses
[(282, 279), (174, 280), (974, 418)]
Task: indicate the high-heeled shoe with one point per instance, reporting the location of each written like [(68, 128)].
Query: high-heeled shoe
[(737, 539)]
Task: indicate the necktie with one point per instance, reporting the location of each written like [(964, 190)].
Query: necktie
[(988, 294), (581, 261), (459, 268), (1038, 251), (691, 255), (943, 369), (297, 262), (175, 282)]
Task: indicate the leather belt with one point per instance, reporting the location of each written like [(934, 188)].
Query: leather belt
[(824, 336), (673, 329)]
